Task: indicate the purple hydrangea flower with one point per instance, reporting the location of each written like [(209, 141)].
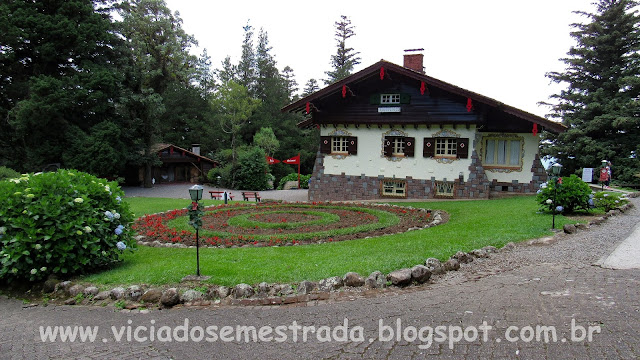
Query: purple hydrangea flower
[(559, 209), (120, 245)]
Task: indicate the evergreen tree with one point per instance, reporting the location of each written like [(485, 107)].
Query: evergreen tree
[(600, 104), (246, 69), (345, 58), (204, 74), (228, 72), (290, 83), (310, 87), (159, 59), (58, 79)]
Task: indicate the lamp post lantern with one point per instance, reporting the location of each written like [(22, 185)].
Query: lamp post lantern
[(555, 171), (195, 218)]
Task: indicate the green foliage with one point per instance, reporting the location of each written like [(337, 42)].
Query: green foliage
[(252, 171), (345, 58), (599, 100), (609, 200), (7, 173), (304, 180), (224, 172), (572, 194), (65, 222), (58, 71), (266, 140)]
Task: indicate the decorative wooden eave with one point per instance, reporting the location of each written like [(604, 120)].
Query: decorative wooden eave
[(157, 148), (430, 82)]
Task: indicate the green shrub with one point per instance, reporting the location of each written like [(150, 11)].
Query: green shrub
[(609, 201), (225, 176), (304, 180), (573, 194), (65, 222), (252, 170), (8, 173)]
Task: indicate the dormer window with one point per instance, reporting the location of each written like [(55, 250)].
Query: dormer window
[(389, 99)]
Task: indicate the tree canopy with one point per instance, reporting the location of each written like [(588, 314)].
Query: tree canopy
[(600, 103)]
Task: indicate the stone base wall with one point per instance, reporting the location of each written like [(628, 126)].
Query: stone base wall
[(332, 187)]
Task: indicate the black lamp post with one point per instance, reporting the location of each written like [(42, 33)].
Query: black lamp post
[(195, 218), (555, 171)]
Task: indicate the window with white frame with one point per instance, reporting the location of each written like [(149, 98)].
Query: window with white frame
[(446, 147), (502, 152), (396, 188), (339, 144), (390, 99)]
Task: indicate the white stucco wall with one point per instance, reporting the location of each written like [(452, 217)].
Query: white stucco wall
[(371, 162)]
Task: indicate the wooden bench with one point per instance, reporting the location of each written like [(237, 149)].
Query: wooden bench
[(246, 195), (220, 195)]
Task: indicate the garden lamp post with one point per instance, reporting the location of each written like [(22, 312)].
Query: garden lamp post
[(555, 171), (195, 218)]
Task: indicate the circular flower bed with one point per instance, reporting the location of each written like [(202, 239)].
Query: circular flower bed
[(275, 224)]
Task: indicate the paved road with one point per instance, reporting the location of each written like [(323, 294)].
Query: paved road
[(515, 293), (181, 191)]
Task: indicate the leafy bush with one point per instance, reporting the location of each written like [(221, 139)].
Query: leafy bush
[(573, 194), (252, 170), (225, 176), (609, 201), (8, 173), (304, 180), (63, 222)]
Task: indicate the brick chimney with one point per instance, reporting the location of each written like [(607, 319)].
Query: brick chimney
[(413, 60)]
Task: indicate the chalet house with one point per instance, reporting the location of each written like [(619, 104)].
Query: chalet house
[(391, 131), (178, 165)]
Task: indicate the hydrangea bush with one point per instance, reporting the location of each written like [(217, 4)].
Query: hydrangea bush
[(573, 194), (65, 222), (609, 201)]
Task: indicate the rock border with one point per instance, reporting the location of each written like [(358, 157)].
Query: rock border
[(141, 298)]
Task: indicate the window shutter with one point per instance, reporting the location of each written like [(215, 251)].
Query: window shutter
[(374, 99), (463, 148), (352, 145), (405, 98), (388, 146), (325, 144), (409, 146), (429, 148)]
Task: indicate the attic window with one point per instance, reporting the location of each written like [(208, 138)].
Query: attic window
[(389, 99)]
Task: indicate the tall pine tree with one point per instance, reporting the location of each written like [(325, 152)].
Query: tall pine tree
[(600, 104), (345, 58)]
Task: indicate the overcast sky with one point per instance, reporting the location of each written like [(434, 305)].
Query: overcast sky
[(498, 48)]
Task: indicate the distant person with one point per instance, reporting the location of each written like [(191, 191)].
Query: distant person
[(605, 173)]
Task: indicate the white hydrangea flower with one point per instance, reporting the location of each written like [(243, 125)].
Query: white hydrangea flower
[(549, 201), (38, 246), (78, 200), (44, 268), (34, 271), (87, 229)]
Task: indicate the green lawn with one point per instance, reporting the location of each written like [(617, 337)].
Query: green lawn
[(473, 224)]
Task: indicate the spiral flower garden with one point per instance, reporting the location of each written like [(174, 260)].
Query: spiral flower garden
[(282, 224)]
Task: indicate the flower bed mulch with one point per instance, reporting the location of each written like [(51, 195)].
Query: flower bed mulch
[(277, 224)]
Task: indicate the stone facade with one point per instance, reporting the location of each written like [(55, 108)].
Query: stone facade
[(332, 187)]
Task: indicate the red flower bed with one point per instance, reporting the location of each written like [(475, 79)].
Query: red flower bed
[(216, 220)]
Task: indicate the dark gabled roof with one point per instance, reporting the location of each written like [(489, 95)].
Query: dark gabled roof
[(374, 69), (161, 147)]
